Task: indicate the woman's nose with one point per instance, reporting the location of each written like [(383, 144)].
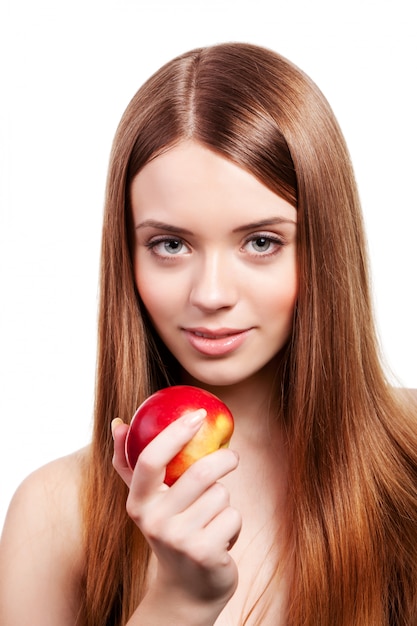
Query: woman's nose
[(214, 284)]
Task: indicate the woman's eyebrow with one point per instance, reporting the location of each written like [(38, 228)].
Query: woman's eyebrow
[(272, 221), (179, 229), (163, 226)]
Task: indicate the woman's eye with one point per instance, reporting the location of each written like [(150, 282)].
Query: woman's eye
[(263, 245), (168, 247)]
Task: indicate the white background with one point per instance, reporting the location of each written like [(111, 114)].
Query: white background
[(68, 69)]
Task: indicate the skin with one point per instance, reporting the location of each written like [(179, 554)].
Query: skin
[(40, 548), (213, 551), (214, 269)]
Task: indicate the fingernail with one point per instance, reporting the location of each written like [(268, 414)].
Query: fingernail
[(115, 423), (196, 418)]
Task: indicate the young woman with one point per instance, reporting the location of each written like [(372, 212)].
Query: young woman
[(234, 259)]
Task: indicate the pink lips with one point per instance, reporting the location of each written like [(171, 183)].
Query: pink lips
[(215, 342)]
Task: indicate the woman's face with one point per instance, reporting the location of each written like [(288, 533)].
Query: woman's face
[(214, 263)]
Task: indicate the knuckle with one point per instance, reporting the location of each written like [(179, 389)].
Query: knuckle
[(203, 554), (201, 471), (170, 535), (234, 517), (145, 464), (150, 530), (221, 494), (116, 460), (133, 509), (212, 466), (149, 525), (230, 457)]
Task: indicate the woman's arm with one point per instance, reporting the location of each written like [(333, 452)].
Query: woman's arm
[(40, 548)]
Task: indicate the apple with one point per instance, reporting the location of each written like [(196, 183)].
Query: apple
[(167, 405)]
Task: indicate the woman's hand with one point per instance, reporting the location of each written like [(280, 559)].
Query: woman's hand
[(190, 526)]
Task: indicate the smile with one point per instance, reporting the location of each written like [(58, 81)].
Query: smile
[(217, 342), (215, 335)]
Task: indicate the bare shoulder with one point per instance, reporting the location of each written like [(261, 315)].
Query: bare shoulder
[(41, 546), (47, 479)]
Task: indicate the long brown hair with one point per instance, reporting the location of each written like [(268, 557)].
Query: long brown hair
[(353, 445)]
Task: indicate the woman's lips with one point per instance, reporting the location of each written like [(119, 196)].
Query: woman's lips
[(215, 342)]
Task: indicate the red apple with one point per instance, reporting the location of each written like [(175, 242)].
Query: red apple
[(167, 405)]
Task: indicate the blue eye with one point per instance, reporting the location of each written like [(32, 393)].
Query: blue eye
[(168, 246), (172, 246), (263, 245)]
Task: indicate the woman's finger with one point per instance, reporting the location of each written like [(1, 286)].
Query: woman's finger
[(223, 531), (198, 478), (149, 472), (119, 432), (205, 508)]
